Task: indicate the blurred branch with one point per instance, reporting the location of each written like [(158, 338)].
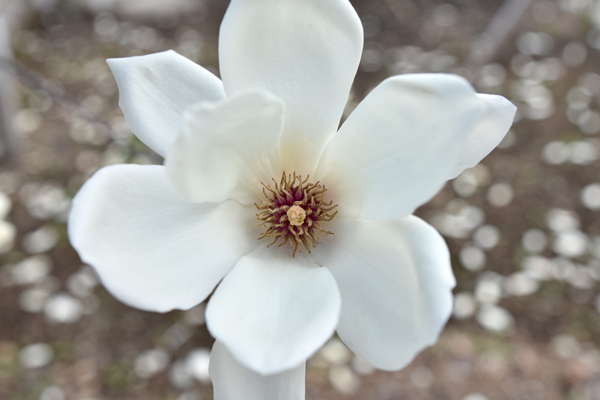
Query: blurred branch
[(36, 83), (487, 44)]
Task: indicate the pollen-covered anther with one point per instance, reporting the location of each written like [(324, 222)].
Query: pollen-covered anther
[(293, 212)]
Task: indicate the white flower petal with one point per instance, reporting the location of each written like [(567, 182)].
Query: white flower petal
[(396, 283), (273, 311), (487, 134), (233, 381), (154, 90), (306, 53), (395, 150), (226, 150), (152, 249)]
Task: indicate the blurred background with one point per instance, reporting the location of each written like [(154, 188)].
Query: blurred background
[(522, 226)]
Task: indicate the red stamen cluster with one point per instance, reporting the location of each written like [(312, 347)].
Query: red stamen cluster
[(292, 191)]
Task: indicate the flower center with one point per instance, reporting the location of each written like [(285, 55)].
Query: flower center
[(293, 211), (296, 215)]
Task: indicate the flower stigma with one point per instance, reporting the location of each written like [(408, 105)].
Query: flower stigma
[(293, 211), (296, 215)]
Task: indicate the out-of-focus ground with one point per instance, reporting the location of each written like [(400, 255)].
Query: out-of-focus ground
[(523, 226)]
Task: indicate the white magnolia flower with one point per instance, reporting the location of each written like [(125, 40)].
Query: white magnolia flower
[(163, 237)]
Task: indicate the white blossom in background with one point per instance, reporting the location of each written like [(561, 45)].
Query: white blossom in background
[(500, 194), (475, 396), (494, 318), (63, 308), (464, 305), (489, 288), (197, 363), (343, 379), (163, 237), (31, 270), (33, 300), (472, 258), (486, 237), (560, 220), (459, 221), (537, 267), (7, 230), (534, 240), (41, 240), (520, 284), (151, 362), (590, 196), (36, 355), (52, 392), (83, 282)]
